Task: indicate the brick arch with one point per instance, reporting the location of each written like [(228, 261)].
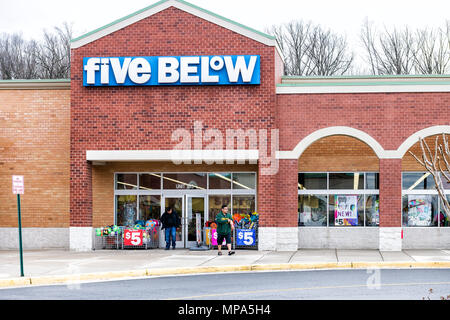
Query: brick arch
[(332, 131), (424, 133), (338, 153)]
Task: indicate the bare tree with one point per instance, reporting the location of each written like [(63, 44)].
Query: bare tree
[(310, 50), (17, 57), (54, 54), (437, 163), (433, 51), (391, 52), (403, 51), (328, 53), (45, 59), (292, 38)]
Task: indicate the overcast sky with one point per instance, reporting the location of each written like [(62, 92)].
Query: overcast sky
[(343, 16)]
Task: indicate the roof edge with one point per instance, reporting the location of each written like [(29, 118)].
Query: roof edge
[(35, 84), (179, 4)]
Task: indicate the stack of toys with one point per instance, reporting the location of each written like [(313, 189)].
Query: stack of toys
[(112, 231), (151, 226), (246, 221)]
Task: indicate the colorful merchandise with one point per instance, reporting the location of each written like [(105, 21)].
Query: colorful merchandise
[(246, 221)]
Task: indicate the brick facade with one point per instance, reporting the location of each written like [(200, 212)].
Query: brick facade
[(61, 125), (144, 118), (340, 154), (34, 142), (390, 118)]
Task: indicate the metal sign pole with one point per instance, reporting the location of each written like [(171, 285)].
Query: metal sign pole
[(20, 235)]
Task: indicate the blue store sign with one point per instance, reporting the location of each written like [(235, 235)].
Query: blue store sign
[(174, 71), (245, 237)]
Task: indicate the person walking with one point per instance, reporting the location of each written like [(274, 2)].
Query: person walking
[(224, 227), (170, 222)]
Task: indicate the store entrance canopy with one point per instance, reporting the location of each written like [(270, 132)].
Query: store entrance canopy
[(228, 156)]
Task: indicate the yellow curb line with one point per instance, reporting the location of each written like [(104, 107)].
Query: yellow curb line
[(74, 278), (13, 282)]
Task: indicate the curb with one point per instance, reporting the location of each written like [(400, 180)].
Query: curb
[(116, 275)]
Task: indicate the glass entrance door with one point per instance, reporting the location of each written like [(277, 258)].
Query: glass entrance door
[(195, 219), (177, 205)]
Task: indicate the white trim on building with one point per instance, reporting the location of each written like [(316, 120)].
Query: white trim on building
[(364, 137), (173, 155), (182, 5)]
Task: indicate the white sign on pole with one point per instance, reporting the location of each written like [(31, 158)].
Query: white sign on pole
[(18, 185)]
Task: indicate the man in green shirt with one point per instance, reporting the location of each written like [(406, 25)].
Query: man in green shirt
[(224, 226)]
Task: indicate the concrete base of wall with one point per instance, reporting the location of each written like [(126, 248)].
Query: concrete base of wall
[(426, 238), (277, 239), (390, 239), (337, 238), (34, 238), (81, 238)]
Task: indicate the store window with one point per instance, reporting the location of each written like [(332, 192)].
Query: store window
[(139, 195), (243, 204), (347, 181), (420, 210), (149, 207), (126, 208), (417, 181), (315, 181), (184, 181), (324, 199), (372, 210), (244, 180), (125, 181), (215, 205), (149, 181), (372, 181), (312, 210), (220, 181), (421, 204), (445, 183), (444, 220)]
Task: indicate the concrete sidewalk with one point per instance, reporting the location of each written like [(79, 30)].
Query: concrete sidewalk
[(59, 266)]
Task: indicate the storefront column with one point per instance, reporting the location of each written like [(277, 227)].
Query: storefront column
[(81, 236), (390, 237), (277, 204)]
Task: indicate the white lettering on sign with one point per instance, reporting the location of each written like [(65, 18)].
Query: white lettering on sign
[(168, 70), (120, 72), (240, 68), (187, 70), (139, 71), (206, 77), (18, 185), (91, 67), (187, 66)]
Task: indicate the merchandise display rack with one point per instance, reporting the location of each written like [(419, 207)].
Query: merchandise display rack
[(115, 241)]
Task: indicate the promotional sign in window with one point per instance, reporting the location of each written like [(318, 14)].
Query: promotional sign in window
[(174, 71), (133, 237), (245, 237), (419, 210), (345, 210)]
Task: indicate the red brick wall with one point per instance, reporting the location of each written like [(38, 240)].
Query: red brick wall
[(340, 154), (287, 193), (133, 118), (390, 118), (34, 142), (390, 192), (409, 163)]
